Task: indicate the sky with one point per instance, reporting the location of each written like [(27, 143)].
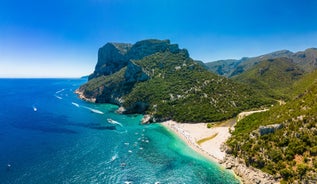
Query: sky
[(60, 38)]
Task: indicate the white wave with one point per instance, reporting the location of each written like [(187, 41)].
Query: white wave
[(58, 97), (60, 91), (93, 110), (75, 104), (114, 122)]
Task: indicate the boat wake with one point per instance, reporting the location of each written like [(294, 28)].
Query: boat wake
[(58, 97), (111, 121), (75, 104), (122, 132), (93, 110), (114, 156), (59, 91)]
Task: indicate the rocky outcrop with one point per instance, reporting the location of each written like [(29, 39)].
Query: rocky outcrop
[(157, 78), (111, 89), (111, 58), (148, 47), (114, 56), (263, 130), (249, 175), (116, 72), (134, 73)]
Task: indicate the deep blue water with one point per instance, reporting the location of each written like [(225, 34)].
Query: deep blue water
[(48, 135)]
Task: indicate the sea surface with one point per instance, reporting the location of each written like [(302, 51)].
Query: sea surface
[(48, 135)]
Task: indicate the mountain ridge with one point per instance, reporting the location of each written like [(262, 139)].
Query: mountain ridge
[(165, 84), (274, 77), (307, 60), (282, 141)]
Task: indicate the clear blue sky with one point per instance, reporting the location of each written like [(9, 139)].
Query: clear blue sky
[(61, 37)]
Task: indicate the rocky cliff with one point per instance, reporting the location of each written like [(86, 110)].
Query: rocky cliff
[(115, 72), (111, 58), (157, 78), (114, 56)]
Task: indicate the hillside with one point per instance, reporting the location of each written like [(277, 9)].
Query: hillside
[(282, 141), (306, 60), (158, 79), (273, 77)]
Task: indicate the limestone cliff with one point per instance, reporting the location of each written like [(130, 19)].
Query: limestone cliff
[(115, 72), (157, 78), (111, 58)]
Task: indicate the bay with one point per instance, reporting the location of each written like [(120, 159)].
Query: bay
[(48, 135)]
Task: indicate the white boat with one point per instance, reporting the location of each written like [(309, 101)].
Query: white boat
[(114, 122)]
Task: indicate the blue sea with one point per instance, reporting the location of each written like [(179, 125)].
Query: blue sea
[(48, 135)]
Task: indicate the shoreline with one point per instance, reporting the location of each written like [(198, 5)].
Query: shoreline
[(210, 143), (81, 95), (213, 149), (182, 131), (215, 153)]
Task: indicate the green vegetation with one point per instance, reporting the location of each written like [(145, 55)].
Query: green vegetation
[(306, 60), (209, 125), (182, 90), (176, 87), (272, 77), (289, 152), (165, 83), (199, 142)]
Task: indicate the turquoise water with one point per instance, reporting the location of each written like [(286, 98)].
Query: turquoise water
[(48, 135)]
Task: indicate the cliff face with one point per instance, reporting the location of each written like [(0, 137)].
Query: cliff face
[(115, 72), (148, 47), (156, 78), (111, 58)]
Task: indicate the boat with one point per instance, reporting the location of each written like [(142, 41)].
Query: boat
[(114, 122)]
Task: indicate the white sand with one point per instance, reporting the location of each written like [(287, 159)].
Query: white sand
[(191, 133)]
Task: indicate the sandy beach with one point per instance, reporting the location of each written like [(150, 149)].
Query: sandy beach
[(209, 141), (193, 134)]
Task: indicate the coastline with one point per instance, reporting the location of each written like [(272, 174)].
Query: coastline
[(81, 95), (213, 148), (210, 143), (191, 133)]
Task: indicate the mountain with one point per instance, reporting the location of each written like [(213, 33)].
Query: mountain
[(283, 140), (114, 56), (273, 77), (156, 78), (223, 67), (306, 60)]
